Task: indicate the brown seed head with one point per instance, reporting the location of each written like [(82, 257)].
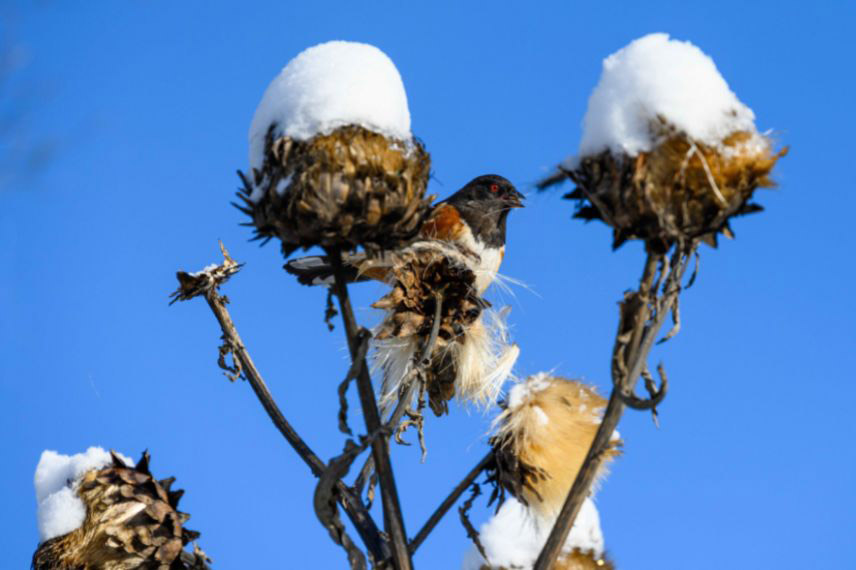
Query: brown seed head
[(340, 190)]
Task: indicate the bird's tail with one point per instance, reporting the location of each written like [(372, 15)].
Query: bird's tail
[(317, 269)]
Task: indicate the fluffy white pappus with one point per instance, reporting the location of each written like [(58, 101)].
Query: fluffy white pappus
[(328, 86), (549, 424), (513, 538), (484, 358), (395, 357), (60, 510), (653, 78)]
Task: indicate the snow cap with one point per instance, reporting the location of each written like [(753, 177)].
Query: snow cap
[(513, 538), (329, 86), (60, 509), (652, 77)]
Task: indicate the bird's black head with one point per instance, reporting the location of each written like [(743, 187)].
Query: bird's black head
[(484, 203)]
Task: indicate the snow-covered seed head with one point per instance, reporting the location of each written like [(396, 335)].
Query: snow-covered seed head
[(514, 536), (543, 436), (332, 159), (668, 151), (111, 516)]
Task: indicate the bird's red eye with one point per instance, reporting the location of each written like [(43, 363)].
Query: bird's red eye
[(494, 188)]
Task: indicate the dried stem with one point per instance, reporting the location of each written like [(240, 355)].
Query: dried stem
[(393, 519), (351, 503), (206, 283), (449, 501), (353, 372), (406, 397), (472, 533), (324, 502), (642, 315)]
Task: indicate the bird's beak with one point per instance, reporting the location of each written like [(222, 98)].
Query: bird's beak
[(515, 199)]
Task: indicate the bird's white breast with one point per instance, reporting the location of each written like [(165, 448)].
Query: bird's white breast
[(490, 259)]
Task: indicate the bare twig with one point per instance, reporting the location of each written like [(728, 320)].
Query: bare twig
[(330, 311), (676, 322), (447, 503), (472, 533), (393, 519), (353, 372), (417, 420), (351, 503), (656, 395), (324, 501), (642, 315)]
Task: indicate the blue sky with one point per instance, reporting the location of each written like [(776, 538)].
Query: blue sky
[(148, 106)]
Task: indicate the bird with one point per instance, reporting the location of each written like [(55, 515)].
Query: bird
[(474, 219), (441, 272)]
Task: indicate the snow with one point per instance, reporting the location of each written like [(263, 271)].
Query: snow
[(206, 269), (513, 538), (522, 391), (328, 86), (60, 510), (657, 76)]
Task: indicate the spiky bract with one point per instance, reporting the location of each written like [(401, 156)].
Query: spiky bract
[(132, 522), (680, 190), (339, 190)]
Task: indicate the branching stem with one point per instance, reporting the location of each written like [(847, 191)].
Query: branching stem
[(350, 502), (393, 519), (642, 315)]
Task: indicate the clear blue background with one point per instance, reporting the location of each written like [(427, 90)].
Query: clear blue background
[(149, 104)]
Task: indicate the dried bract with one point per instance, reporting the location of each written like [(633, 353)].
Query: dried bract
[(542, 438), (680, 190), (131, 522), (471, 356), (201, 282), (339, 190)]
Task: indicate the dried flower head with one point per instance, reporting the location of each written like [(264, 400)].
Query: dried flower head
[(542, 438), (471, 356), (339, 190), (131, 521), (668, 152), (679, 190)]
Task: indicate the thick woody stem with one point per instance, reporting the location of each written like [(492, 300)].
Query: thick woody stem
[(350, 502), (393, 519), (633, 355)]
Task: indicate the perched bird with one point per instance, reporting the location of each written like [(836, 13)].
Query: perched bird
[(442, 271), (473, 218)]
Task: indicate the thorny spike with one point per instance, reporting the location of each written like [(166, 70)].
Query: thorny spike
[(243, 178), (243, 209), (117, 461), (175, 497), (143, 464)]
